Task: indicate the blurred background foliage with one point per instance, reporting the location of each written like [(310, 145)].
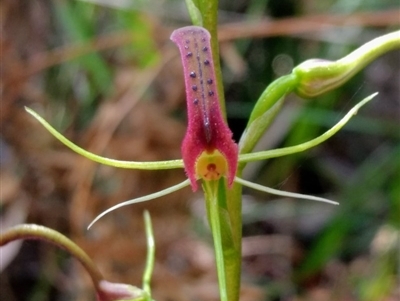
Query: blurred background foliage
[(104, 73)]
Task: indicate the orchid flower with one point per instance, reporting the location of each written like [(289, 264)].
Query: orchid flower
[(208, 150), (210, 155)]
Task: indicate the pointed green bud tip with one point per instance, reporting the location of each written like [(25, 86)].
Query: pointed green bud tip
[(208, 150)]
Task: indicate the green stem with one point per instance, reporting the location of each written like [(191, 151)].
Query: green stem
[(233, 200), (225, 223), (150, 254), (32, 231), (214, 211)]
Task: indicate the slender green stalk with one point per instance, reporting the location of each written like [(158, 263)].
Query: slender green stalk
[(230, 204), (150, 254), (211, 193), (106, 291), (227, 239), (32, 231)]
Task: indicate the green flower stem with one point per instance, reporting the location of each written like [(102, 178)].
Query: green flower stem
[(224, 216), (150, 254), (102, 160), (265, 110), (318, 76), (233, 253), (32, 231), (221, 231), (244, 158)]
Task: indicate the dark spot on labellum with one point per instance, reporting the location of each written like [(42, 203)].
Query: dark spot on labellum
[(211, 93), (187, 41), (211, 167), (205, 48), (203, 39), (194, 88), (209, 81), (206, 62), (189, 54), (192, 74), (195, 101)]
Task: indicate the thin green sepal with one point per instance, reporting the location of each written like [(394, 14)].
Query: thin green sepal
[(274, 153), (171, 164)]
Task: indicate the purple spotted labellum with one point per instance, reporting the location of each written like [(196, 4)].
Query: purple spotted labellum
[(208, 150)]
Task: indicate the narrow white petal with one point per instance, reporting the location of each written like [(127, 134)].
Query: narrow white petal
[(283, 193), (143, 199)]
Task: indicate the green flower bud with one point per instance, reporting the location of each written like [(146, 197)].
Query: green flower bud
[(317, 76)]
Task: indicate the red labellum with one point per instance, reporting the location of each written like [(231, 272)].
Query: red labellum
[(208, 150)]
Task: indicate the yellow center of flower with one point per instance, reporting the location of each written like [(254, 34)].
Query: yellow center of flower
[(211, 166)]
